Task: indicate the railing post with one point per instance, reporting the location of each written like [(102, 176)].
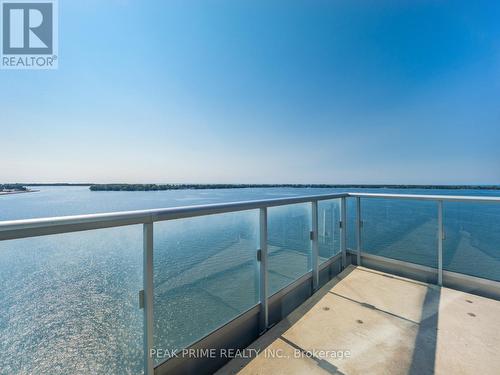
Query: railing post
[(315, 245), (343, 231), (440, 242), (262, 262), (148, 297), (358, 229)]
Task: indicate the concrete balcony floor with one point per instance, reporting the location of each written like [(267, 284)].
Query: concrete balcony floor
[(388, 325)]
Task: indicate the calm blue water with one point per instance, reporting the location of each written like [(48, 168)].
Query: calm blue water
[(69, 303)]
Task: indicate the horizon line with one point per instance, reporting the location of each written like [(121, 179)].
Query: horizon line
[(250, 184)]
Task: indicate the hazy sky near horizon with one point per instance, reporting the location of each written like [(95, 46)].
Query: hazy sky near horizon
[(261, 92)]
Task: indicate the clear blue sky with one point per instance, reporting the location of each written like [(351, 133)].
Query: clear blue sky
[(261, 92)]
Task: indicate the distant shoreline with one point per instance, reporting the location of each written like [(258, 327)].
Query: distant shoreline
[(9, 189), (17, 192), (160, 187)]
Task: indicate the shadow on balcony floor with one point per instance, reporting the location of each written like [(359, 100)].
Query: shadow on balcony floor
[(368, 322)]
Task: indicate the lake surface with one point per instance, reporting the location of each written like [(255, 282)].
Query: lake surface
[(69, 303)]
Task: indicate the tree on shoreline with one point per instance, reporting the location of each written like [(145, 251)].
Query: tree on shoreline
[(13, 187), (157, 187)]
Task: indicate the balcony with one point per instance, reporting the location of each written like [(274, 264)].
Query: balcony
[(369, 322), (421, 299)]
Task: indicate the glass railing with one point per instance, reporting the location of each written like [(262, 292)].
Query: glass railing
[(472, 239), (198, 268), (447, 233), (205, 274), (68, 303), (400, 229), (328, 229), (288, 244), (72, 302)]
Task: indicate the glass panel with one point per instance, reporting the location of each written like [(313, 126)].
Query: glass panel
[(289, 244), (69, 303), (400, 229), (328, 229), (472, 244), (351, 240), (205, 274)]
